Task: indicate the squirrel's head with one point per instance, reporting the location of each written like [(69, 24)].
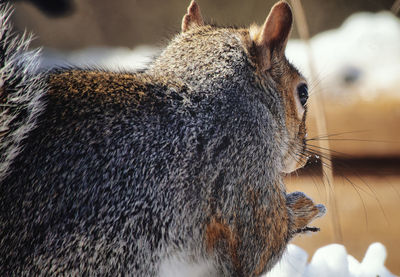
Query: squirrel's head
[(208, 57), (267, 45)]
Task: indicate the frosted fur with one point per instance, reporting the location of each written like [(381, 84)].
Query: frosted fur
[(178, 265), (17, 71)]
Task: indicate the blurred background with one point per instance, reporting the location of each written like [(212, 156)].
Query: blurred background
[(355, 52), (136, 22)]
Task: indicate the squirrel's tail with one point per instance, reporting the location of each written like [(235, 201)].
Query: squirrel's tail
[(21, 90)]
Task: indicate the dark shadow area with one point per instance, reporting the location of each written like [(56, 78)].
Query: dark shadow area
[(355, 166)]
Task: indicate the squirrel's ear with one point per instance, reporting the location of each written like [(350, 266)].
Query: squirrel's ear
[(192, 18), (272, 37)]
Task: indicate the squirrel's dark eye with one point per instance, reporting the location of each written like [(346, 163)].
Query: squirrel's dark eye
[(302, 91)]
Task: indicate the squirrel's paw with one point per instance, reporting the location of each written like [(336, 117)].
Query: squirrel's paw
[(304, 211)]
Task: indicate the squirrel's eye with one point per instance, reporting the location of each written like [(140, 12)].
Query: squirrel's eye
[(302, 92)]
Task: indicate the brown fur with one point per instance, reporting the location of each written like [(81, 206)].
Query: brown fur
[(219, 234), (304, 211), (274, 34), (193, 17), (110, 87), (265, 220)]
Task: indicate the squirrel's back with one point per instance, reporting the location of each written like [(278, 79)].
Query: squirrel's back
[(101, 144)]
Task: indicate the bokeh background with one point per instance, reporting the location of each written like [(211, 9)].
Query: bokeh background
[(136, 22), (362, 115)]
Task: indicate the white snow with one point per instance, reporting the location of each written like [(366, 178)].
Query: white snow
[(362, 56), (293, 263), (331, 261)]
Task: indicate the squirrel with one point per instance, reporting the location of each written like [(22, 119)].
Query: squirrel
[(143, 173)]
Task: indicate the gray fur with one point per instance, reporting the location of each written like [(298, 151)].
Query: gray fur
[(111, 184), (16, 71)]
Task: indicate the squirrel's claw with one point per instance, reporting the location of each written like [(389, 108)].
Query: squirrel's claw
[(307, 229), (322, 210)]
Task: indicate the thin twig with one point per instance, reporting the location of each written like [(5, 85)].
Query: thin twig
[(317, 106)]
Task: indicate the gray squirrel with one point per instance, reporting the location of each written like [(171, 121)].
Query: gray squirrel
[(179, 166)]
